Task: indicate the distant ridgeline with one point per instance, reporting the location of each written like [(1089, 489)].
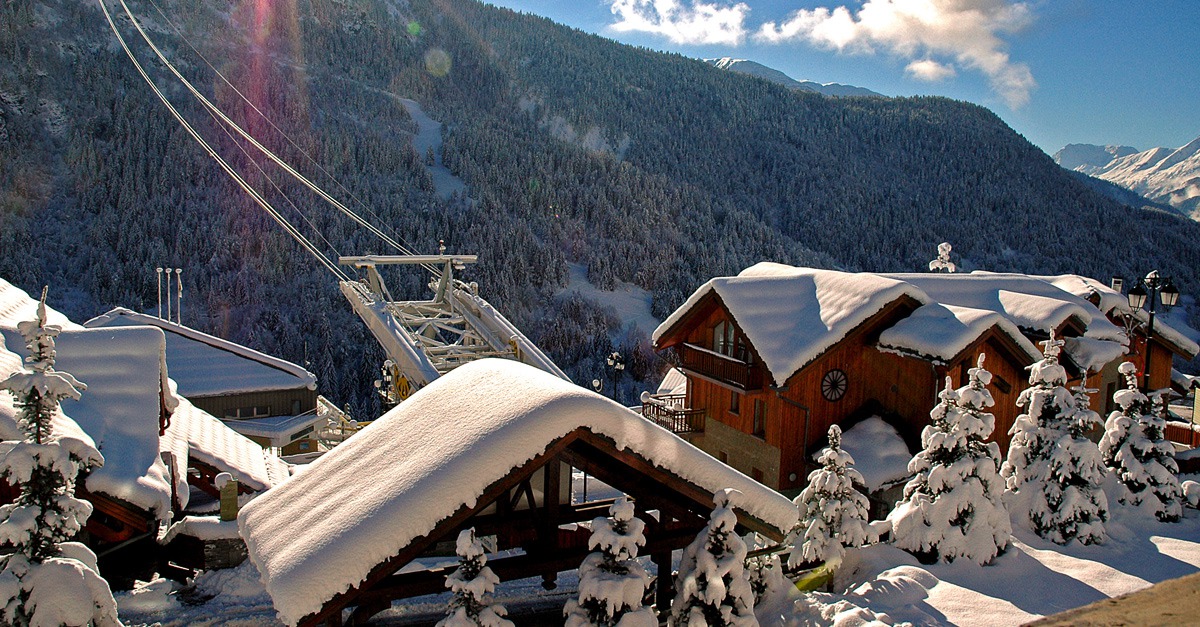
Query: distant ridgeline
[(648, 168)]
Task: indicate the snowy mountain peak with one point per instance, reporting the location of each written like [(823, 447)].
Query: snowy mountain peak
[(1081, 157), (752, 68), (1165, 175)]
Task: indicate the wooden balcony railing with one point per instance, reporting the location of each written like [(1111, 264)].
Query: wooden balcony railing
[(1184, 433), (670, 412), (721, 367)]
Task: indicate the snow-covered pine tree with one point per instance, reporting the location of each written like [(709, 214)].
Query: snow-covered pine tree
[(943, 263), (1135, 448), (611, 581), (712, 588), (472, 584), (1047, 406), (953, 505), (1075, 493), (47, 580), (833, 513)]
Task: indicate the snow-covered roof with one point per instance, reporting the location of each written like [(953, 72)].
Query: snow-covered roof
[(674, 382), (63, 427), (1029, 302), (941, 332), (1114, 303), (210, 441), (203, 365), (323, 531), (879, 453), (125, 373), (793, 315), (16, 306)]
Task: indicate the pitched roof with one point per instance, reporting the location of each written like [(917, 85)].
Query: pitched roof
[(204, 365), (1029, 302), (941, 332), (210, 441), (16, 306), (1115, 304), (793, 315), (324, 530)]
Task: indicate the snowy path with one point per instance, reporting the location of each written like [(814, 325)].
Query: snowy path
[(429, 136), (630, 302)]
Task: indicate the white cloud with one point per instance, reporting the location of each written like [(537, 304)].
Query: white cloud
[(694, 23), (929, 70), (967, 31)]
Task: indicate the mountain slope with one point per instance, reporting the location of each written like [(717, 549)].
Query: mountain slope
[(1164, 175), (644, 168), (757, 69)]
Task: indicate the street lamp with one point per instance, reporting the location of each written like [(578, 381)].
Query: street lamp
[(1141, 296), (617, 364)]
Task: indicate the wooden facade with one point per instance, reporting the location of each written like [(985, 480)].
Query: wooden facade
[(770, 432)]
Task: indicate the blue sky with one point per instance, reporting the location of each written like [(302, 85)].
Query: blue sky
[(1057, 71)]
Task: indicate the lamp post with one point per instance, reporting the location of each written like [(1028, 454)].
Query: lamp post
[(617, 364), (1142, 296)]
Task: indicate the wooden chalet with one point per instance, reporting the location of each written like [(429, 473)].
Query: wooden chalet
[(345, 533), (267, 399), (776, 354)]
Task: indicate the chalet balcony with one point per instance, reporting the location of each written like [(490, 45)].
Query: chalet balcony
[(671, 413), (714, 365)]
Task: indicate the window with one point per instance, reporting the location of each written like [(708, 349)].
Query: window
[(735, 403), (723, 338), (258, 411), (760, 418)]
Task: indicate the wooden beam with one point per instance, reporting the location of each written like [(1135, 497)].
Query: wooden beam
[(420, 544), (699, 496)]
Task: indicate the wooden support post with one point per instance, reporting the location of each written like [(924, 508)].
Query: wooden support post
[(548, 533), (664, 590)]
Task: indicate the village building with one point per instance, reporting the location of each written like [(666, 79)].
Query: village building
[(777, 354), (269, 400), (349, 530), (161, 453)]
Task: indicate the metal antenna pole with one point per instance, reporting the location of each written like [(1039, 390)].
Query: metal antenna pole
[(158, 273), (179, 297), (168, 294)]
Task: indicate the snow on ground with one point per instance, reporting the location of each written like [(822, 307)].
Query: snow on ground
[(630, 303), (1033, 578), (429, 137)]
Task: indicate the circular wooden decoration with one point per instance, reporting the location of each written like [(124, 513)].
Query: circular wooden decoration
[(833, 385)]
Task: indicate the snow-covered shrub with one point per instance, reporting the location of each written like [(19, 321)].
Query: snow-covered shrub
[(833, 513), (952, 506), (47, 580), (611, 581), (712, 588), (1191, 493), (1078, 507), (764, 571), (472, 584), (1134, 446)]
